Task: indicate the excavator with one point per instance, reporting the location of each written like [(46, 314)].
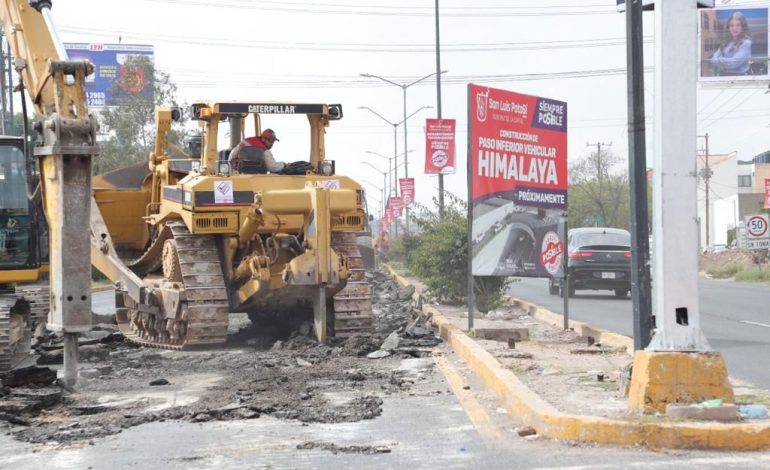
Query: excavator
[(45, 191), (212, 240), (23, 251)]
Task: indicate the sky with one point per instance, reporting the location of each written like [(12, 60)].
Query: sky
[(302, 51)]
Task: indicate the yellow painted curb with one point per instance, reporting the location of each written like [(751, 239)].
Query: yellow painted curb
[(549, 422)]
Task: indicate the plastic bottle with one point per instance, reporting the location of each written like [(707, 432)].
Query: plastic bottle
[(753, 411)]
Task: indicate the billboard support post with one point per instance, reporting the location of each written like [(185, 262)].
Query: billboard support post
[(637, 171), (565, 265), (470, 214)]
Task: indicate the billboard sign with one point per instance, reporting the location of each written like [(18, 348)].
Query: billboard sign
[(733, 44), (517, 172), (116, 74), (396, 206), (406, 188), (439, 146), (767, 193)]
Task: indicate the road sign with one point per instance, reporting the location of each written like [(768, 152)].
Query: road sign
[(757, 226)]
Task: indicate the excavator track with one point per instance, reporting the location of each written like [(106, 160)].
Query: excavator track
[(353, 304), (13, 347), (192, 267), (39, 298)]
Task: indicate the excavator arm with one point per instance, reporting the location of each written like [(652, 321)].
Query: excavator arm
[(66, 145)]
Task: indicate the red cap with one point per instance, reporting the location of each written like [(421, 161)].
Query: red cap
[(269, 135)]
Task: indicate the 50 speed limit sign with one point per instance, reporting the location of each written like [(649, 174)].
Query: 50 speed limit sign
[(757, 226)]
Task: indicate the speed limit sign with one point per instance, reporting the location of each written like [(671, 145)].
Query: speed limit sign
[(757, 226)]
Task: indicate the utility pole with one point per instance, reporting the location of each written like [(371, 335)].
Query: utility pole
[(706, 174), (600, 168), (438, 112), (641, 287)]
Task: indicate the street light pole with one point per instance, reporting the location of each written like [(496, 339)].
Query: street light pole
[(384, 176), (438, 111), (403, 87)]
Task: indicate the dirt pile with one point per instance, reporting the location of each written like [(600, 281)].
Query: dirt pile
[(255, 374), (746, 259)]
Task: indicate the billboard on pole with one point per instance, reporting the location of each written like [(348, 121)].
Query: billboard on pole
[(517, 167), (115, 75), (733, 44), (767, 193), (396, 206), (406, 187), (439, 146)]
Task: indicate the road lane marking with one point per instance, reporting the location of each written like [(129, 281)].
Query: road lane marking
[(478, 416), (755, 323)]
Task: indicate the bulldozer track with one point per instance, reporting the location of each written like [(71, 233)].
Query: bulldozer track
[(204, 308), (10, 354), (353, 304)]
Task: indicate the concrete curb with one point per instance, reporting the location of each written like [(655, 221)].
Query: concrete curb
[(601, 335), (549, 422)]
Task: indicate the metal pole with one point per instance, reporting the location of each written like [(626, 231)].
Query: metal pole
[(470, 221), (438, 108), (565, 266), (406, 159), (637, 172), (395, 168), (707, 177)]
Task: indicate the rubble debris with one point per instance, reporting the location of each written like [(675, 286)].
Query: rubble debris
[(335, 449), (502, 333), (379, 354), (284, 374), (28, 376), (525, 431), (724, 412)]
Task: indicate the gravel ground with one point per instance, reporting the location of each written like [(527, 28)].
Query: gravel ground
[(256, 373)]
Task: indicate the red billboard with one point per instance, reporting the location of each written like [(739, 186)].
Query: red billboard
[(396, 206), (517, 177), (406, 187), (439, 146), (767, 193)]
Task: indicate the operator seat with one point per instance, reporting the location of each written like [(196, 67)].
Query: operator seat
[(252, 161)]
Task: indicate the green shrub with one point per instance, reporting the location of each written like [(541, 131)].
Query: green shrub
[(437, 253), (724, 272), (753, 275)]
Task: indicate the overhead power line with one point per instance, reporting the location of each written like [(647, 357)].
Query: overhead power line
[(366, 10), (348, 47)]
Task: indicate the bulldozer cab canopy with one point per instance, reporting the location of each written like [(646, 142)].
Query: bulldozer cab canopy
[(203, 111), (209, 114)]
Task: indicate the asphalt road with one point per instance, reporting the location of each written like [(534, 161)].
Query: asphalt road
[(735, 318)]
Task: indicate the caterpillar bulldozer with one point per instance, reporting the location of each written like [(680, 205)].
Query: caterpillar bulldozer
[(205, 240)]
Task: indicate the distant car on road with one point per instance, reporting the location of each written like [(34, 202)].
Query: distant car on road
[(599, 258)]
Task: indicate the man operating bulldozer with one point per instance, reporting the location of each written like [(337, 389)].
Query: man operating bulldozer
[(253, 155)]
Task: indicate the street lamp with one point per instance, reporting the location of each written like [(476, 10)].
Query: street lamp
[(403, 87), (395, 136), (384, 178)]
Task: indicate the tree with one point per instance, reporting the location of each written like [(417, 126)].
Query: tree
[(599, 191), (438, 255), (127, 132)]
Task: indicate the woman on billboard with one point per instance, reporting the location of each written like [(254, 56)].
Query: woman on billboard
[(734, 56)]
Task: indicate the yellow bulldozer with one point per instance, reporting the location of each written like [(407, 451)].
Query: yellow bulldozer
[(205, 239)]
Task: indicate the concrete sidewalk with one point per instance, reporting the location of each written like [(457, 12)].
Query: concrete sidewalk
[(548, 421)]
